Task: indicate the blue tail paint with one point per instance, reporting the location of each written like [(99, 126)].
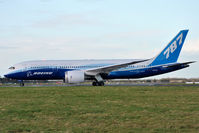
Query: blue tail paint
[(171, 52)]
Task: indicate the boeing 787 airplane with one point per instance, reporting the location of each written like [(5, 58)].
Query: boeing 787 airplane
[(77, 71)]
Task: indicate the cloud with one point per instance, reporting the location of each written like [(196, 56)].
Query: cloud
[(137, 33), (67, 48), (7, 47), (46, 0), (192, 46), (90, 1), (66, 20), (121, 45)]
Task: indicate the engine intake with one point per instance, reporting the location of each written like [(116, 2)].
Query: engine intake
[(74, 76)]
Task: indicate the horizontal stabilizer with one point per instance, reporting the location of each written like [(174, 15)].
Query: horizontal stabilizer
[(178, 64)]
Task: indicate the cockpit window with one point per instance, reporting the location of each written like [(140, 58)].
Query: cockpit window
[(12, 68)]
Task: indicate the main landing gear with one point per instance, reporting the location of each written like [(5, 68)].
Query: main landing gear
[(95, 83), (98, 81)]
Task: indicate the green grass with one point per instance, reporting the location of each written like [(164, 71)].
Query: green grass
[(99, 109)]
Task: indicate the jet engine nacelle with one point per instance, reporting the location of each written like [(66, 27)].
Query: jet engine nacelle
[(74, 76)]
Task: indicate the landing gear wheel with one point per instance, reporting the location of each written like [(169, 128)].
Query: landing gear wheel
[(101, 83), (94, 83), (98, 83)]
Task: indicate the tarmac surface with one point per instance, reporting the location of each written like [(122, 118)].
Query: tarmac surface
[(127, 84)]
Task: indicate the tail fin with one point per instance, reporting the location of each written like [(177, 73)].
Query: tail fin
[(171, 52)]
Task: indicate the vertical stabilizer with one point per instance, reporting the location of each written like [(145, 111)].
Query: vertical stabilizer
[(171, 52)]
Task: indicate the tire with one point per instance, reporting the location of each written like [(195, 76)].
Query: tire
[(94, 83), (101, 83), (98, 83)]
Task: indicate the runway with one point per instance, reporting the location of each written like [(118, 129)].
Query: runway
[(127, 84)]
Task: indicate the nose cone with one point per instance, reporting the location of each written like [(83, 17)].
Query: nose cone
[(10, 75), (7, 75), (15, 75)]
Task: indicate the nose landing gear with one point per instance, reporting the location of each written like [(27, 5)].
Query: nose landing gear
[(21, 83)]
